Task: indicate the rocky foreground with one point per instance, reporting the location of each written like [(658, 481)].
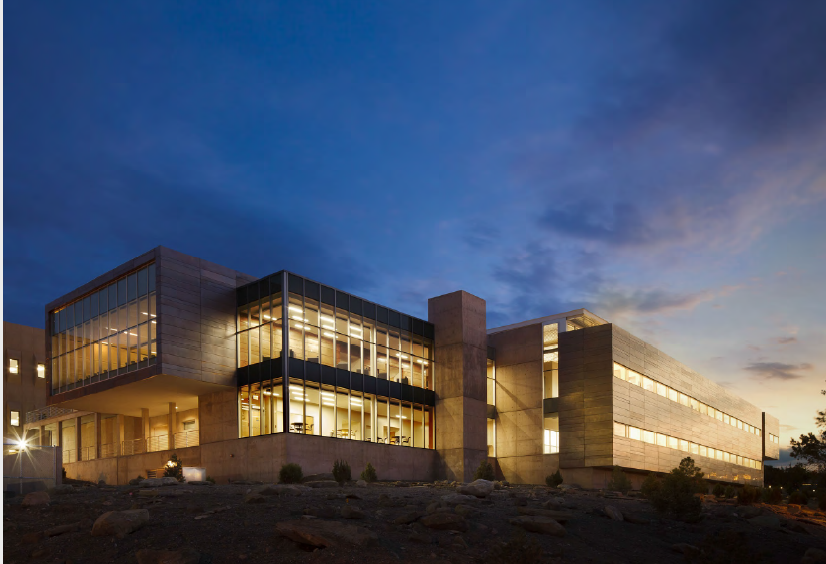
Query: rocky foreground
[(160, 521)]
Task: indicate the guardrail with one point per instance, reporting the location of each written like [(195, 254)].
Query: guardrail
[(154, 444), (69, 456), (88, 452), (45, 413), (136, 446), (109, 450), (187, 439)]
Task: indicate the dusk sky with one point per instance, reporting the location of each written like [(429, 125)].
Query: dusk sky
[(662, 164)]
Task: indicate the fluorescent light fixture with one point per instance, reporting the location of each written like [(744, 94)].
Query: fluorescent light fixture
[(328, 394), (328, 334), (267, 317), (294, 387), (325, 318), (296, 308)]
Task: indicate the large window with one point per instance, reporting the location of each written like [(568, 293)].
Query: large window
[(14, 366), (550, 360), (108, 332), (491, 379), (14, 418), (551, 434)]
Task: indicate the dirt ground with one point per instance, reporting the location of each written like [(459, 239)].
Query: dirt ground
[(225, 523)]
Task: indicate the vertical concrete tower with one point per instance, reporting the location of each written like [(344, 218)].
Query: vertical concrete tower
[(461, 404)]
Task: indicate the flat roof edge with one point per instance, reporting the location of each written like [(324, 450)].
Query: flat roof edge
[(546, 319)]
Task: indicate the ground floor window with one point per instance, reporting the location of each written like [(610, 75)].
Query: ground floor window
[(328, 411), (550, 440), (491, 438)]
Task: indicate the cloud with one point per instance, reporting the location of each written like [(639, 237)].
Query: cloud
[(787, 428), (650, 301), (786, 340), (776, 370)]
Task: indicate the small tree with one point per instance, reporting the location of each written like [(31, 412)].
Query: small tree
[(772, 495), (676, 493), (650, 486), (290, 474), (554, 479), (797, 498), (619, 481), (369, 474), (484, 471), (719, 490), (729, 492), (341, 471), (748, 495), (174, 468)]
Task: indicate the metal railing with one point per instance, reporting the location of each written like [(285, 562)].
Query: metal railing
[(69, 456), (45, 413), (108, 450), (186, 439), (88, 452), (135, 446), (154, 444)]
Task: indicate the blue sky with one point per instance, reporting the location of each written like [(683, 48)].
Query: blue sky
[(663, 164)]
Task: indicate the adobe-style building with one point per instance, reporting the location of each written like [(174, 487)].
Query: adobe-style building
[(171, 353)]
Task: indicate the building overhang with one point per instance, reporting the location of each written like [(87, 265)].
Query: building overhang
[(154, 393), (555, 318)]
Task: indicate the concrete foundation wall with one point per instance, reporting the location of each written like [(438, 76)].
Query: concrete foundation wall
[(261, 458)]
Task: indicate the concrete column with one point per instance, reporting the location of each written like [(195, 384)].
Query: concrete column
[(98, 421), (562, 326), (117, 434), (460, 383), (77, 438), (145, 427), (173, 424), (43, 435)]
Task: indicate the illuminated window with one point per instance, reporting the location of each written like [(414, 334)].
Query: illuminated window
[(673, 442), (695, 448), (695, 405), (41, 370), (14, 366), (683, 445), (684, 400), (14, 418), (619, 371), (662, 390), (703, 408), (633, 378), (491, 437), (662, 440), (703, 451), (648, 384), (634, 433), (619, 429), (726, 419), (673, 395), (551, 442), (648, 436)]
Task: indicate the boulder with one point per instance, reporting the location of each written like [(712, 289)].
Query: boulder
[(157, 482), (465, 511), (793, 509), (361, 484), (199, 483), (324, 476), (558, 516), (186, 556), (539, 524), (613, 513), (35, 498), (120, 523), (325, 534), (324, 511), (814, 556), (61, 489), (444, 522), (387, 501), (478, 488), (351, 512), (254, 498), (282, 489), (456, 499), (322, 484), (767, 521)]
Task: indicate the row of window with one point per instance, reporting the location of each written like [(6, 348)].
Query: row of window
[(14, 368), (774, 438), (14, 418), (328, 411), (660, 439), (646, 383)]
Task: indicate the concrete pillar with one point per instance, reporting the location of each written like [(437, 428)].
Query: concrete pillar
[(78, 433), (145, 422), (42, 439), (117, 434), (98, 421), (173, 424), (460, 383)]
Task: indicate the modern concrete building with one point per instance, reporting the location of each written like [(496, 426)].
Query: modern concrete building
[(25, 381), (171, 353)]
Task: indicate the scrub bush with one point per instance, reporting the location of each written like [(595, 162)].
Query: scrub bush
[(772, 495), (174, 469), (748, 495), (729, 492), (290, 474), (797, 498), (619, 481), (210, 479), (554, 479), (676, 493), (719, 490), (484, 472), (341, 471), (650, 486), (369, 474)]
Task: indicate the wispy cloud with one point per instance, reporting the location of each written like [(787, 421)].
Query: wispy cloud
[(777, 370)]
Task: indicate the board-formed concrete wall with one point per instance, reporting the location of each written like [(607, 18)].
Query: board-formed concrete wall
[(261, 458)]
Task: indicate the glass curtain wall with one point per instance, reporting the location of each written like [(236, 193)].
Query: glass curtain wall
[(110, 332), (550, 361), (259, 330)]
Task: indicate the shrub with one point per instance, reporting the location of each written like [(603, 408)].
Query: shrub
[(174, 468), (520, 548), (719, 490), (290, 474), (369, 474), (772, 495), (139, 479), (676, 493), (650, 486), (797, 497), (210, 479), (729, 492), (554, 479), (64, 472), (484, 472), (619, 481), (748, 495), (341, 471)]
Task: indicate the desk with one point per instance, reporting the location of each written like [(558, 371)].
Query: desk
[(299, 427)]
